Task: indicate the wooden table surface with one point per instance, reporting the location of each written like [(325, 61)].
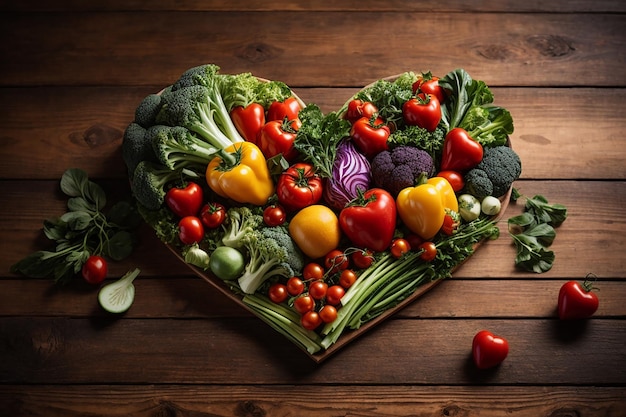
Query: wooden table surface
[(71, 75)]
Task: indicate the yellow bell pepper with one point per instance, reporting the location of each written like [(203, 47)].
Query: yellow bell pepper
[(241, 174), (422, 208)]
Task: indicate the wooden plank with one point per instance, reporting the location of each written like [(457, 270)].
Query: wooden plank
[(193, 298), (239, 351), (310, 401), (506, 6), (595, 218), (112, 48), (57, 128)]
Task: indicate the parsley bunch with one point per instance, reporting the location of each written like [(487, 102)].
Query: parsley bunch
[(84, 230)]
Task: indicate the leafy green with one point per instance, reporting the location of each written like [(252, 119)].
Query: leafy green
[(84, 230)]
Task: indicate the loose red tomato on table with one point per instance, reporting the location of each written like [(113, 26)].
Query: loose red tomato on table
[(277, 137), (424, 111), (576, 300), (274, 215), (427, 83), (190, 230), (248, 120), (489, 350), (281, 110), (358, 109), (460, 152), (185, 201), (370, 135), (95, 269), (213, 215), (299, 187), (369, 221)]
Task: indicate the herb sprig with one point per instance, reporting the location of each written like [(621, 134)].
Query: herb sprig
[(84, 230)]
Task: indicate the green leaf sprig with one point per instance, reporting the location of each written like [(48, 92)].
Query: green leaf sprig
[(533, 232), (84, 230)]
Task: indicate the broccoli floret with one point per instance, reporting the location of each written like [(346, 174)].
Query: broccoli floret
[(136, 147), (146, 112), (431, 142), (501, 165), (149, 182), (271, 253), (239, 222), (478, 184), (400, 167), (176, 146)]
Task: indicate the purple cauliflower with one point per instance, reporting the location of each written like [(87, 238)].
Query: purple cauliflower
[(400, 167)]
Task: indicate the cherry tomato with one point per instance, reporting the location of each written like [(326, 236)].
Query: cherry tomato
[(456, 180), (359, 108), (274, 215), (295, 286), (311, 320), (213, 215), (328, 314), (95, 269), (278, 293), (303, 304), (312, 271), (318, 289), (334, 294), (429, 251), (399, 247), (336, 261), (576, 300), (488, 350), (347, 278), (423, 111), (190, 230), (363, 258)]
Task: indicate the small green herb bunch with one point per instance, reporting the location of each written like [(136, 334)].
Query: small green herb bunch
[(84, 230)]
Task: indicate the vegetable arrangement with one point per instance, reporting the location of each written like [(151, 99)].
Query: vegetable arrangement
[(320, 222)]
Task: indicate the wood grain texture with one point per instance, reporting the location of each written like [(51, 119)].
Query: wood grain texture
[(114, 48), (311, 401)]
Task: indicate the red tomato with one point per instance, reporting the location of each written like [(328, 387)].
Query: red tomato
[(248, 120), (303, 304), (488, 350), (429, 84), (369, 221), (336, 261), (359, 108), (274, 215), (95, 269), (190, 230), (278, 293), (576, 301), (399, 247), (460, 152), (429, 251), (277, 137), (299, 187), (456, 180), (363, 258), (370, 136), (295, 286), (213, 215), (311, 320), (347, 278), (185, 201), (318, 289), (328, 314), (334, 294), (279, 110), (423, 111), (312, 271)]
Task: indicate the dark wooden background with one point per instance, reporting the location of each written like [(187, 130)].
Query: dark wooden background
[(71, 75)]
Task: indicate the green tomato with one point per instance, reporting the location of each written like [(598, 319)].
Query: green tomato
[(226, 263)]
